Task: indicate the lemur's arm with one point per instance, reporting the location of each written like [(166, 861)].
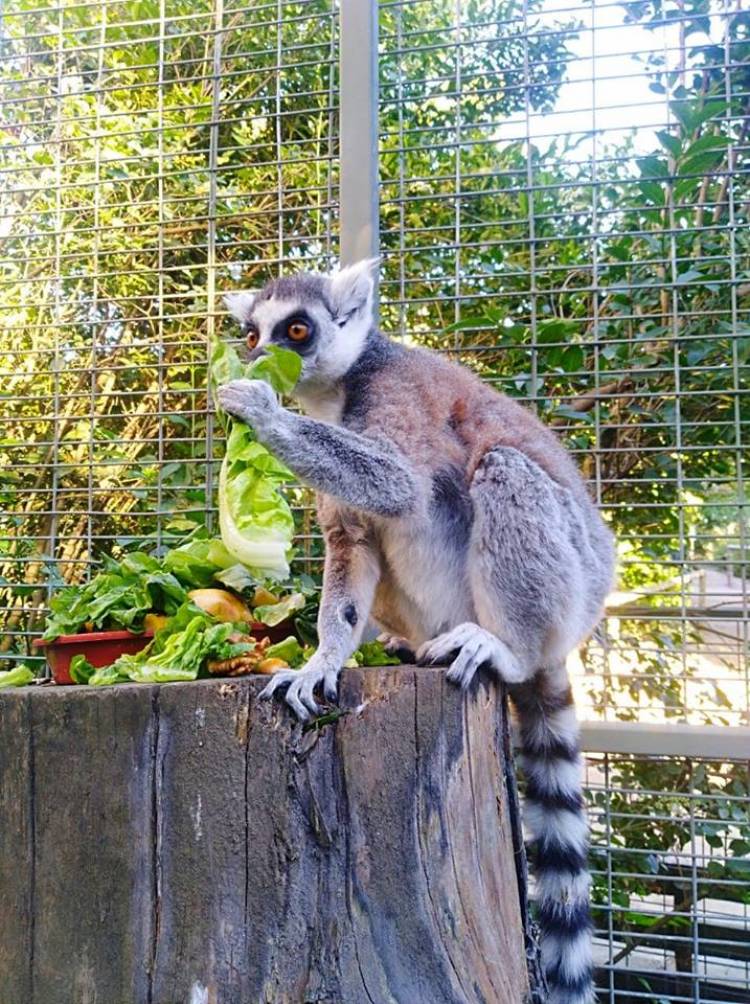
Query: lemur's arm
[(355, 469), (349, 579)]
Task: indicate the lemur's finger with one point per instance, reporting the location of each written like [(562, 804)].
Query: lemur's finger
[(467, 663), (331, 687), (434, 652), (398, 646), (292, 699), (278, 680), (304, 688)]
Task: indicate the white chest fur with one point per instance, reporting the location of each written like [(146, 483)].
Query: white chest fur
[(325, 406), (430, 571)]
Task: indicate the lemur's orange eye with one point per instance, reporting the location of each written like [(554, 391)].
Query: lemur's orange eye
[(252, 338), (298, 331)]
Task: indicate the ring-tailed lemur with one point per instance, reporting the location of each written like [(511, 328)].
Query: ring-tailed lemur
[(456, 521)]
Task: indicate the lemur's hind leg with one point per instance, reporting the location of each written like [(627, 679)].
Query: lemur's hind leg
[(526, 571), (539, 566)]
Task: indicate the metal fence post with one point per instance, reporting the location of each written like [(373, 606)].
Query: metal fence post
[(358, 128)]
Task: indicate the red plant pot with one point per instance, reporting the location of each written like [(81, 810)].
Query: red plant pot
[(101, 648)]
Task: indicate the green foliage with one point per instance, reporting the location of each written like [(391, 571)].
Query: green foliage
[(120, 596), (18, 677), (179, 650), (257, 525)]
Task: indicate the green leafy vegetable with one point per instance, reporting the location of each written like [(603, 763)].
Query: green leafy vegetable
[(120, 595), (198, 562), (178, 651), (255, 520), (274, 613), (373, 653), (106, 676), (237, 577), (17, 677), (289, 650), (279, 367), (81, 669)]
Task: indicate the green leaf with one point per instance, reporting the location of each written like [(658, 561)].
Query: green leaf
[(255, 520), (275, 613), (289, 650), (670, 143), (81, 669), (565, 411), (692, 115), (653, 167), (714, 141), (224, 365), (689, 275), (106, 676), (559, 330), (236, 577), (654, 192), (373, 653), (279, 367), (19, 676)]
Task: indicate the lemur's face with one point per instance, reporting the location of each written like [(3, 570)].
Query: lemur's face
[(324, 319)]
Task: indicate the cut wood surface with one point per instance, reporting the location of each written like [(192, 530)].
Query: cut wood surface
[(189, 844)]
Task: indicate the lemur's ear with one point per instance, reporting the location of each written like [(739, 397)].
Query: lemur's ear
[(239, 305), (352, 287)]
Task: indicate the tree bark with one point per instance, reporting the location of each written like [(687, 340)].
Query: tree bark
[(188, 844)]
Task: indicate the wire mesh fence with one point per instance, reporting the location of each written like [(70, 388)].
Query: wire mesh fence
[(563, 207), (669, 878)]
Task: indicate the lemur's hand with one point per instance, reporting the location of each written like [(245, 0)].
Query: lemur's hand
[(302, 683), (252, 401)]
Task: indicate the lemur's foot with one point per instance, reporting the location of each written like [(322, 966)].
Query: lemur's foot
[(395, 645), (468, 648), (300, 687)]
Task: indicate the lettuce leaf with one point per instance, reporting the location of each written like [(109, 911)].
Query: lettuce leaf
[(373, 653), (177, 652), (106, 676), (255, 520), (274, 613), (19, 676), (119, 596), (81, 669), (197, 562), (279, 367), (289, 650)]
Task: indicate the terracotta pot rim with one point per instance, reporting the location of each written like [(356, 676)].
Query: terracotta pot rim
[(76, 639)]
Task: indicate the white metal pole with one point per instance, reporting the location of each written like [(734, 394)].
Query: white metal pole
[(358, 125)]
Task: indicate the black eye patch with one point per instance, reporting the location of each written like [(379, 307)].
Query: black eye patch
[(280, 336)]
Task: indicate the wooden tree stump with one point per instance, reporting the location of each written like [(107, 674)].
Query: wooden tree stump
[(188, 844)]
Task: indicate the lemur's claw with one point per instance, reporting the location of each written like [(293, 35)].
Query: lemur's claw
[(399, 647), (430, 655), (300, 687), (469, 648)]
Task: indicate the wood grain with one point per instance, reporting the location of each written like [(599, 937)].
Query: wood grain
[(189, 843)]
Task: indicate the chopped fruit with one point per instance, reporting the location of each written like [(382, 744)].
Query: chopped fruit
[(154, 622), (263, 598), (271, 666)]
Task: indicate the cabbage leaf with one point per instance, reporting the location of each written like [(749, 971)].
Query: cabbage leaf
[(255, 520)]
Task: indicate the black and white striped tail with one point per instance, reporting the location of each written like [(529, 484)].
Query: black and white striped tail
[(556, 820)]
